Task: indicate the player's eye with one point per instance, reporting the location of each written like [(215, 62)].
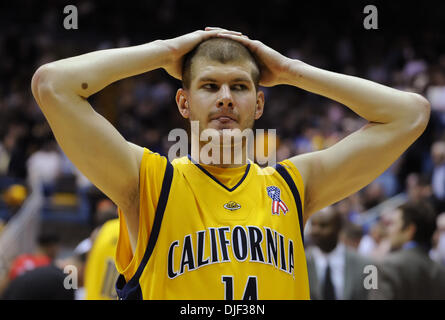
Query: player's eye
[(239, 87), (210, 86)]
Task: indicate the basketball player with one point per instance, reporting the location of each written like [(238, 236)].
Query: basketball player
[(100, 270), (194, 231)]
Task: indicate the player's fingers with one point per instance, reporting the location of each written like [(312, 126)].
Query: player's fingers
[(249, 43), (213, 28), (238, 37), (222, 30), (206, 34)]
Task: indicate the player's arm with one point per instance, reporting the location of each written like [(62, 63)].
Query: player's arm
[(396, 120), (97, 149)]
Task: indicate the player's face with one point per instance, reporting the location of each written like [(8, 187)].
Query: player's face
[(398, 235), (222, 96)]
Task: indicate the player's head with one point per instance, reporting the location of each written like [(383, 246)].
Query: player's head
[(219, 50), (220, 86), (413, 221)]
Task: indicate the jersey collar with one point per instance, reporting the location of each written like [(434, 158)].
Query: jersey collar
[(216, 180)]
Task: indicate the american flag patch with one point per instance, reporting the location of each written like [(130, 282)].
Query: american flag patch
[(274, 193)]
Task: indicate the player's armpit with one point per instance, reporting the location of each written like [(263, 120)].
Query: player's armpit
[(333, 174)]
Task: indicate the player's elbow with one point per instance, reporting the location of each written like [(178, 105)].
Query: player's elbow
[(43, 81), (420, 110)]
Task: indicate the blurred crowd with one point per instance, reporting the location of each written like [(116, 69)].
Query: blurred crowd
[(143, 109)]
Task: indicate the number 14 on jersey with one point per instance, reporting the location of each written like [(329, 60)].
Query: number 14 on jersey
[(250, 290)]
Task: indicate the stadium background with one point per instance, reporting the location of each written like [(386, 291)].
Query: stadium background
[(407, 52)]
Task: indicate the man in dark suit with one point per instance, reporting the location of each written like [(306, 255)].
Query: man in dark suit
[(335, 271), (407, 272)]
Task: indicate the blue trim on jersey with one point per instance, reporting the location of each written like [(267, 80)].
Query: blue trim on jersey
[(132, 290), (216, 180), (293, 188)]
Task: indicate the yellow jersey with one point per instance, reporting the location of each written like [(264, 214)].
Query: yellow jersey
[(212, 233), (100, 270)]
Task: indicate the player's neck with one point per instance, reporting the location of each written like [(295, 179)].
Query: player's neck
[(228, 156)]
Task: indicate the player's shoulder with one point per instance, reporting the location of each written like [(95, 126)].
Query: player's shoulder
[(150, 160), (272, 170), (300, 166), (181, 161)]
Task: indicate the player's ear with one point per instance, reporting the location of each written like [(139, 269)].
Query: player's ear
[(259, 104), (181, 101), (411, 231)]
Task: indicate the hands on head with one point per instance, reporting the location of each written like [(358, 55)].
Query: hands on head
[(274, 66), (180, 46)]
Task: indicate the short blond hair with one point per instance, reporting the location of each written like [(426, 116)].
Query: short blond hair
[(220, 50)]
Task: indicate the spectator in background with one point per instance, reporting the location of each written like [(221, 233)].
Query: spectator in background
[(42, 283), (436, 91), (373, 194), (44, 167), (374, 244), (6, 146), (13, 197), (48, 245), (438, 174), (15, 146), (418, 188), (105, 210), (408, 272), (351, 208), (398, 65), (437, 253), (335, 271), (351, 235), (388, 180)]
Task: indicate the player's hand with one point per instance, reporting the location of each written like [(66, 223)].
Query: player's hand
[(180, 46), (275, 67)]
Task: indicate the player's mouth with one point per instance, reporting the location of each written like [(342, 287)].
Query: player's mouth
[(223, 118)]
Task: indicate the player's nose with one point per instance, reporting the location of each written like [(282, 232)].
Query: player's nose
[(225, 98)]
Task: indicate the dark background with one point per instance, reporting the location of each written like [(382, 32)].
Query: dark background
[(326, 34)]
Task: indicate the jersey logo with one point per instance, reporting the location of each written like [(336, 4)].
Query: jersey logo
[(274, 193), (232, 205)]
